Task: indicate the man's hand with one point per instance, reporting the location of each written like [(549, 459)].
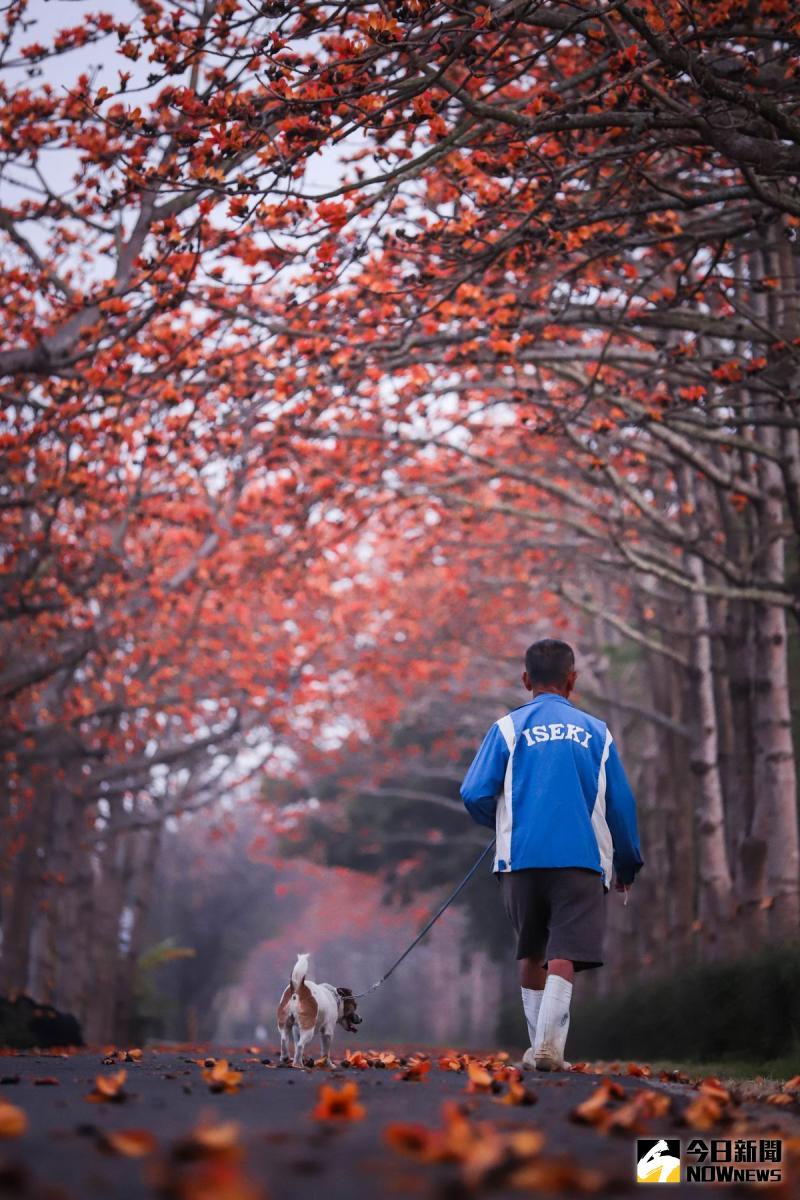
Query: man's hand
[(620, 887)]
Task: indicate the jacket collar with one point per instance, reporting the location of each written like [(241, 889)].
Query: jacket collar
[(550, 696)]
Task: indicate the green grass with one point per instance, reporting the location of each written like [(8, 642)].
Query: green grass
[(743, 1016), (767, 1075)]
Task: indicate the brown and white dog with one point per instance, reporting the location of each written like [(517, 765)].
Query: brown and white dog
[(308, 1008)]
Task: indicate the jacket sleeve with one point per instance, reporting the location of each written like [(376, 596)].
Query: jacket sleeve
[(621, 818), (484, 779)]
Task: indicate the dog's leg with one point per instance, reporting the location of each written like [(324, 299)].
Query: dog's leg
[(326, 1037), (286, 1046), (303, 1037)]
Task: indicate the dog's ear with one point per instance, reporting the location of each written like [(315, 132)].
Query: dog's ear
[(345, 991)]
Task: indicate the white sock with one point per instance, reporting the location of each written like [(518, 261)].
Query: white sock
[(531, 1002), (553, 1024)]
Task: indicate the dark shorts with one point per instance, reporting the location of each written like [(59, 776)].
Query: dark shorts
[(557, 912)]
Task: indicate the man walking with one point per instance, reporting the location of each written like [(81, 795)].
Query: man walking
[(548, 779)]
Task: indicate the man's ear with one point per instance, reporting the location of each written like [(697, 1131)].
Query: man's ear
[(572, 679), (526, 682)]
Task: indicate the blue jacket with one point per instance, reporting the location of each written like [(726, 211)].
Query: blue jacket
[(548, 779)]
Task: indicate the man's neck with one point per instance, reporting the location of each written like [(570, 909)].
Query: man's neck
[(549, 691)]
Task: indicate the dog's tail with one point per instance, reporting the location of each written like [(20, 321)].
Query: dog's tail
[(300, 971)]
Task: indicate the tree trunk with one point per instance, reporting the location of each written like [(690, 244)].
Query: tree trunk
[(72, 928), (138, 904), (715, 885), (105, 948), (775, 817), (21, 895)]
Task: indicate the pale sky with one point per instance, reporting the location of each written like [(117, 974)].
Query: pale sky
[(46, 17)]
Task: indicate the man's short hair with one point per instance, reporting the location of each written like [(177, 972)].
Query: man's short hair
[(549, 661)]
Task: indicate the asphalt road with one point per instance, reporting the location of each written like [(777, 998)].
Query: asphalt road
[(279, 1150)]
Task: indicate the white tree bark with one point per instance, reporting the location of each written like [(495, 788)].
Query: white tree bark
[(775, 775), (715, 882)]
